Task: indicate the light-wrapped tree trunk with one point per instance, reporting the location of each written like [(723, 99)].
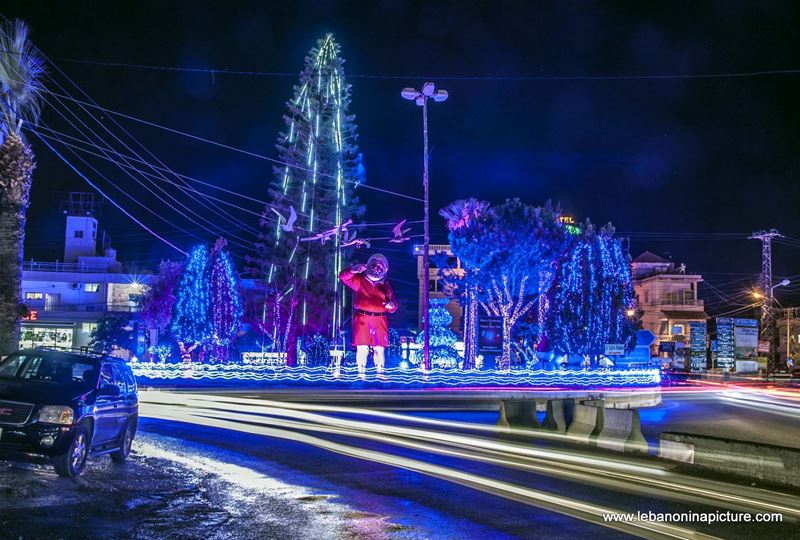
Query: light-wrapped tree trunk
[(501, 303), (16, 170)]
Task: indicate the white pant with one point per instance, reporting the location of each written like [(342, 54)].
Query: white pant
[(377, 356)]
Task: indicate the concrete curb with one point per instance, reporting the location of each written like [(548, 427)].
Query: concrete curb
[(751, 460)]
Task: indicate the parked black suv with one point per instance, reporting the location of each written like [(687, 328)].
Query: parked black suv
[(67, 407)]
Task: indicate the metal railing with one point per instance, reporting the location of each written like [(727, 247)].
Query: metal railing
[(65, 267), (672, 302)]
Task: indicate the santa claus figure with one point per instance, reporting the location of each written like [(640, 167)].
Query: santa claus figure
[(374, 300)]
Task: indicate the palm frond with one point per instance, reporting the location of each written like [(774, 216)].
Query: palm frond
[(21, 74)]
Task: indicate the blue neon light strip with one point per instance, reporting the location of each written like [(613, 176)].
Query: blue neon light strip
[(394, 376)]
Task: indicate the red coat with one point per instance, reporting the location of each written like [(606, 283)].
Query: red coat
[(369, 296)]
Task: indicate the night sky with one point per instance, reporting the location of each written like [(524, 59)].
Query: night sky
[(660, 158)]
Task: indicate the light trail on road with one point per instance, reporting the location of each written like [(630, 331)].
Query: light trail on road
[(291, 421)]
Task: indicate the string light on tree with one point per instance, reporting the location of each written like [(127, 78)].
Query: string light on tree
[(322, 167), (591, 298), (191, 325), (442, 340), (226, 303)]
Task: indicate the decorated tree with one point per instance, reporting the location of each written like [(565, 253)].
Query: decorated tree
[(191, 323), (226, 302), (590, 296), (466, 220), (322, 168), (505, 252), (442, 339), (158, 301)]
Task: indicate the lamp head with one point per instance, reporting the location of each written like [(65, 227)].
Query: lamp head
[(428, 88), (409, 94)]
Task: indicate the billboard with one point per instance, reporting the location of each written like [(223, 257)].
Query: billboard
[(697, 345), (490, 335), (725, 347), (745, 339)]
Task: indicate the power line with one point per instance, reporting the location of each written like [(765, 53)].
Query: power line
[(554, 77), (225, 146)]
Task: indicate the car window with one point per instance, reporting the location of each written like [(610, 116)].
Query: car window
[(11, 365), (129, 380), (106, 376), (54, 368), (83, 372), (42, 368), (119, 380)]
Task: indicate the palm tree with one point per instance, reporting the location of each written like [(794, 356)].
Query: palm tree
[(21, 72)]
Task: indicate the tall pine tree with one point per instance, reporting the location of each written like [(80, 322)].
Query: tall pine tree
[(322, 168)]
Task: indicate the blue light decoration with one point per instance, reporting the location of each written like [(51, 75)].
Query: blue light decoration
[(324, 375), (323, 166), (442, 340), (226, 303), (589, 298), (191, 324)]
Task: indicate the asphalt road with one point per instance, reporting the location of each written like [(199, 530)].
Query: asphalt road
[(447, 480)]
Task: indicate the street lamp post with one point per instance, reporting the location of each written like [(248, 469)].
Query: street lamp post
[(767, 307), (421, 99)]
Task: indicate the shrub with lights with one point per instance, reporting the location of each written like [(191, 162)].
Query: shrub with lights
[(442, 339)]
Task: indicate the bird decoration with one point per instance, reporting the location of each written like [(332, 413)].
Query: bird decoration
[(324, 236), (399, 233), (351, 240), (289, 225)]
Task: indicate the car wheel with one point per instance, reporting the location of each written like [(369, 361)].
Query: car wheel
[(125, 443), (70, 464)]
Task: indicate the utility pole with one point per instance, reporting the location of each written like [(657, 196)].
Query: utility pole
[(765, 333), (421, 99)]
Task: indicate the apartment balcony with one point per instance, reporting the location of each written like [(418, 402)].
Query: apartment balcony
[(674, 302), (56, 266)]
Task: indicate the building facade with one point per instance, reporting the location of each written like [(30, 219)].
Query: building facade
[(66, 300), (667, 298)]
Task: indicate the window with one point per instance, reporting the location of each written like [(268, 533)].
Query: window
[(78, 234), (677, 329), (646, 297), (11, 366), (91, 287), (88, 327), (663, 327), (34, 296), (127, 375), (106, 376), (119, 380)]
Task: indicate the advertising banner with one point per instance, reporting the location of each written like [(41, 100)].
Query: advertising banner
[(725, 346), (697, 346), (745, 338)]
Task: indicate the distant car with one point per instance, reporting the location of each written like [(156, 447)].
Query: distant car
[(66, 407)]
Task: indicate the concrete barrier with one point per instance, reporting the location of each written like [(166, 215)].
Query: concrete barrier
[(554, 419), (583, 423), (751, 460), (518, 413), (622, 431)]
